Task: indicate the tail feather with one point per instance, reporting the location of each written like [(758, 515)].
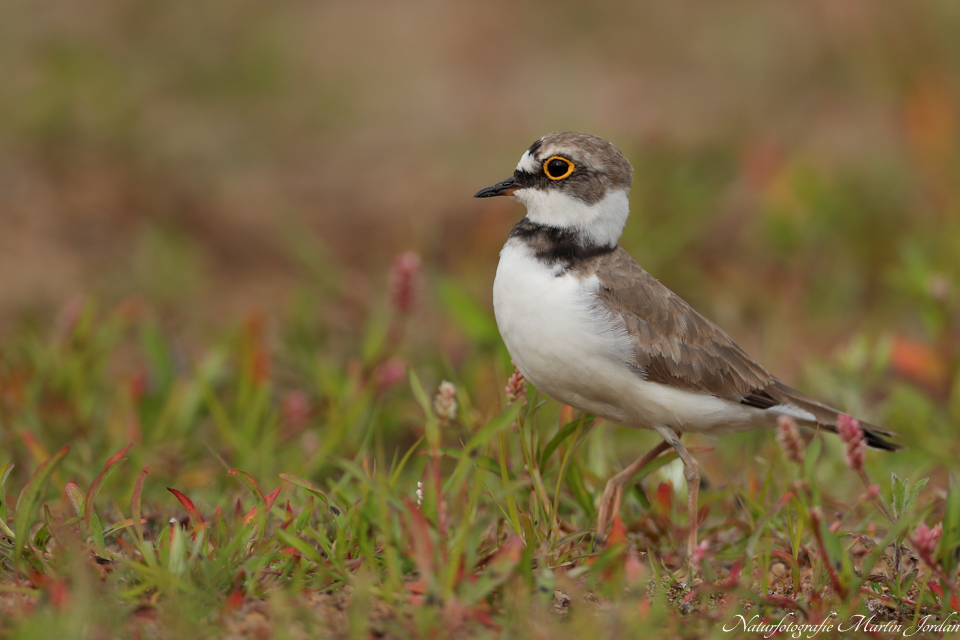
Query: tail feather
[(826, 417), (871, 434)]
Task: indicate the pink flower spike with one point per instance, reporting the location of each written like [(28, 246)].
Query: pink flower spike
[(295, 409), (699, 553), (849, 430), (788, 437), (404, 282), (516, 389), (390, 373), (445, 403), (925, 541)]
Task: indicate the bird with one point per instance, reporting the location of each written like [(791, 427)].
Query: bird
[(590, 328)]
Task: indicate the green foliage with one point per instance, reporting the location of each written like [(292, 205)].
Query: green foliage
[(473, 521), (28, 504), (950, 540), (903, 496), (482, 520)]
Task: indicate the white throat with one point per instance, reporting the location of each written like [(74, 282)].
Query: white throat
[(600, 223)]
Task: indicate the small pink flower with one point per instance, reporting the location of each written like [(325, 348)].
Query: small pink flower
[(295, 409), (404, 282), (516, 388), (872, 493), (788, 437), (925, 541), (390, 373), (852, 434), (699, 553)]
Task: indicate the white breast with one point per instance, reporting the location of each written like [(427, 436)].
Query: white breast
[(575, 351), (565, 344)]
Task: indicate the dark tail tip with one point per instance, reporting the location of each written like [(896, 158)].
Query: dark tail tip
[(876, 441), (874, 436)]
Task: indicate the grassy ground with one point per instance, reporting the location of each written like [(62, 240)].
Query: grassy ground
[(796, 180), (274, 484)]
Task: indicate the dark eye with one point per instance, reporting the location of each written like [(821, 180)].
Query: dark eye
[(557, 168)]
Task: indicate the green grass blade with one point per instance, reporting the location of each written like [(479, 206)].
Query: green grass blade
[(258, 496), (4, 473), (135, 505), (505, 479), (98, 481), (29, 501), (306, 484), (561, 435), (403, 462)]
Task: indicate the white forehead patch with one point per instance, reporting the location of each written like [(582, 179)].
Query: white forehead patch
[(528, 163)]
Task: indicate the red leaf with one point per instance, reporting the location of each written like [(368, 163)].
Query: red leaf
[(734, 577), (237, 510), (787, 558), (188, 505), (618, 533), (417, 587), (248, 480), (664, 499), (937, 589), (271, 498), (702, 514), (483, 617)]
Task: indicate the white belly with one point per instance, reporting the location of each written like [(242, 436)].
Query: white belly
[(575, 351), (568, 347)]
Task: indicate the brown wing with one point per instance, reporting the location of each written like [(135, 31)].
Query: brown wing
[(677, 346)]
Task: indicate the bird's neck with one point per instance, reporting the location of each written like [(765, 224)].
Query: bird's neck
[(556, 247), (597, 224)]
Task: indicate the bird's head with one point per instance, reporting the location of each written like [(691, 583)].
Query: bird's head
[(574, 181)]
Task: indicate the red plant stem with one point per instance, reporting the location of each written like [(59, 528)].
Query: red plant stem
[(834, 577), (879, 596), (935, 567)]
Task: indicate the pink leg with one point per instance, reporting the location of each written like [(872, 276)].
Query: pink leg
[(613, 493), (691, 472)]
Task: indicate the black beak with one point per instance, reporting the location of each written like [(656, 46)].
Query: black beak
[(503, 188)]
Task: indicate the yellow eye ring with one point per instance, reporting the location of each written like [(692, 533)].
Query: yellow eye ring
[(557, 167)]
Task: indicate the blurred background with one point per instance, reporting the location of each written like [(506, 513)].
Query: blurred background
[(797, 168)]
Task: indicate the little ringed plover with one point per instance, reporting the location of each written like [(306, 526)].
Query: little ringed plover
[(590, 328)]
